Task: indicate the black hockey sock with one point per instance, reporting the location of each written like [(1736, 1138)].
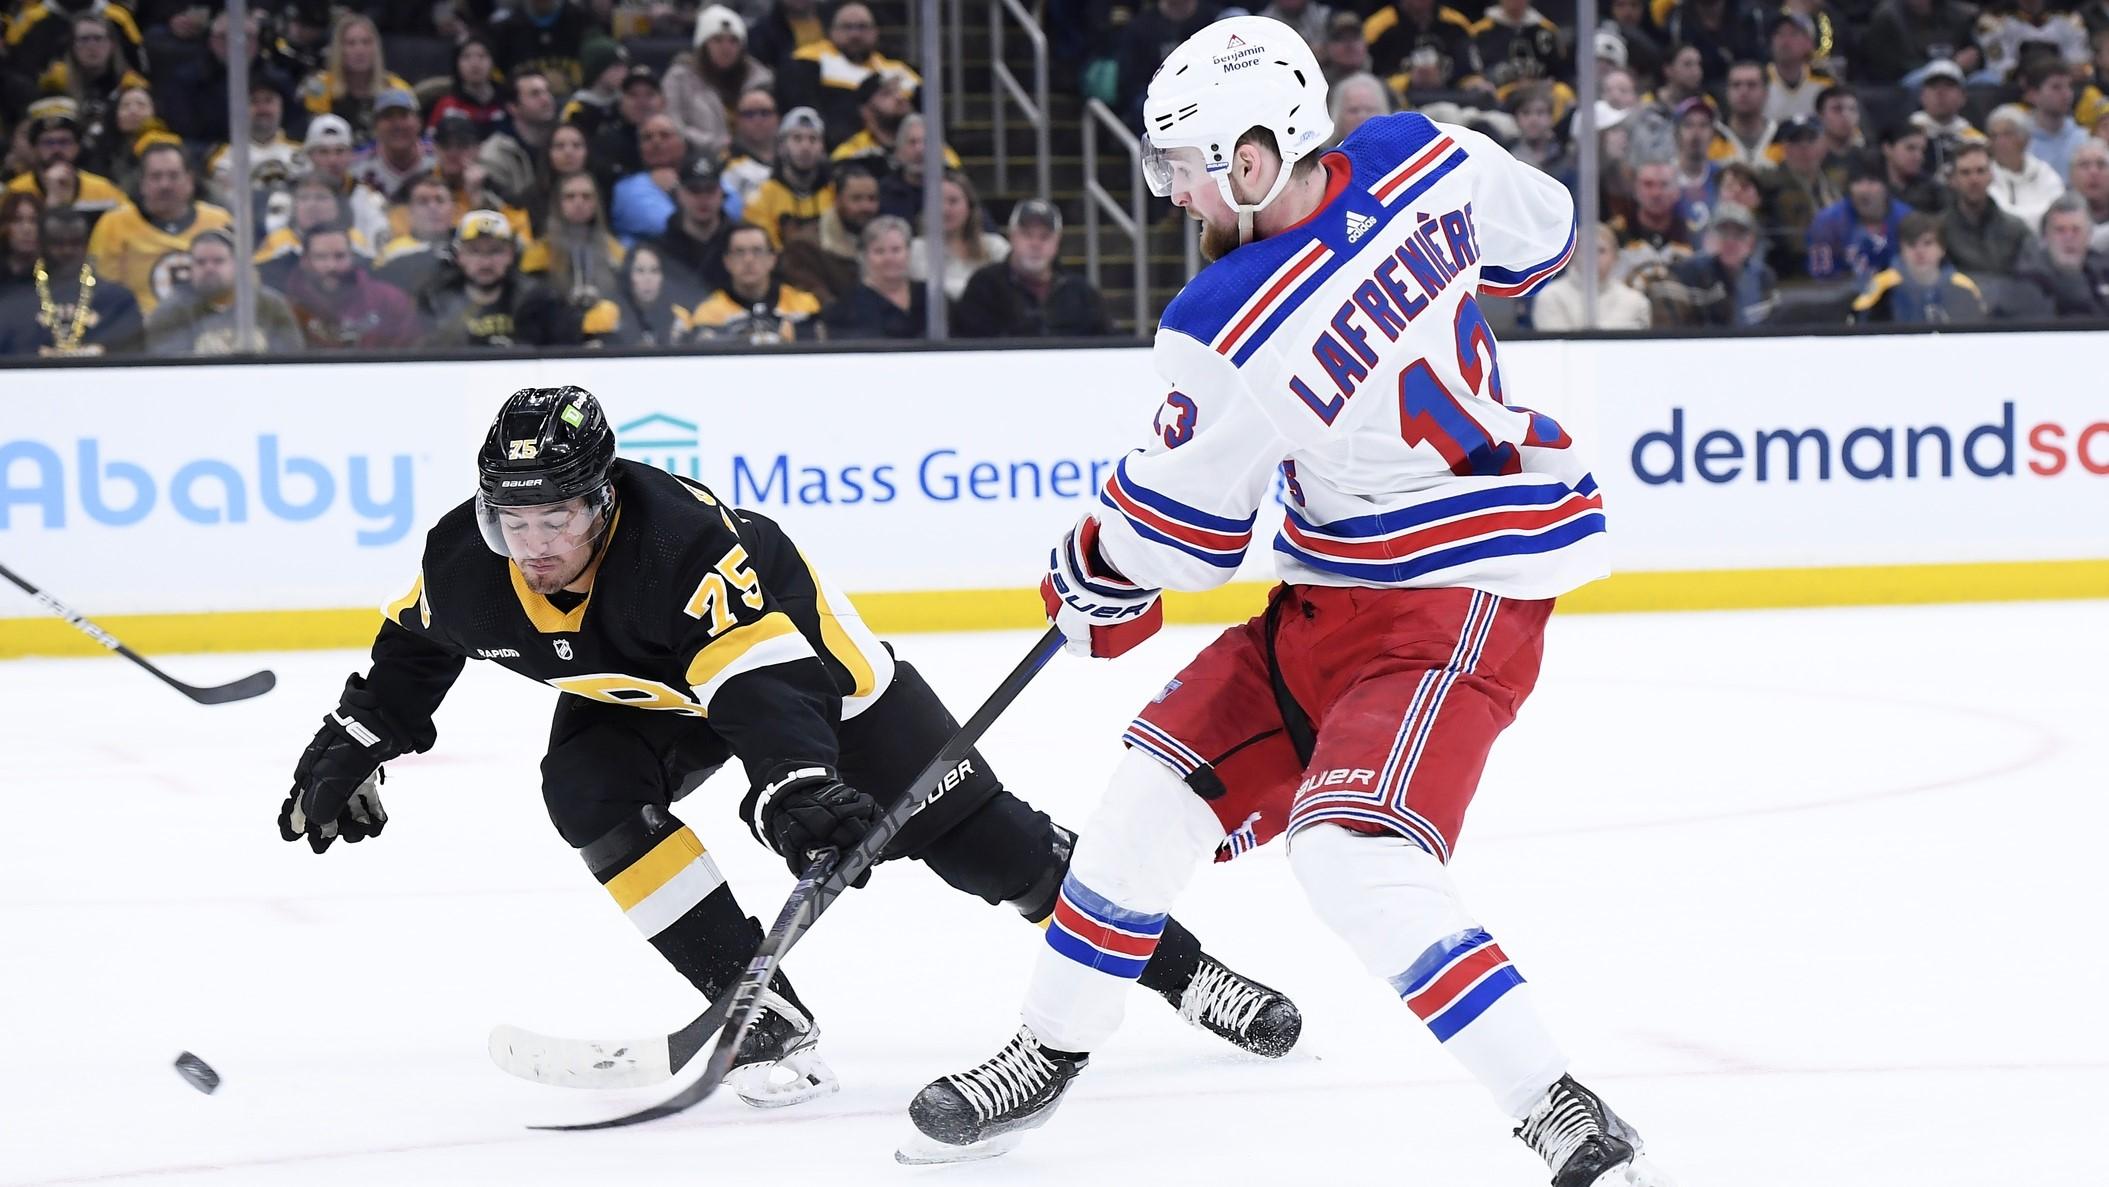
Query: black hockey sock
[(1172, 965), (660, 875)]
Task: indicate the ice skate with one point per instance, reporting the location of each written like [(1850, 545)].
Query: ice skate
[(1584, 1142), (1239, 1010), (776, 1065), (985, 1110)]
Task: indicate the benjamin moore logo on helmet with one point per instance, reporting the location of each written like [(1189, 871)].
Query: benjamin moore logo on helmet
[(1238, 54)]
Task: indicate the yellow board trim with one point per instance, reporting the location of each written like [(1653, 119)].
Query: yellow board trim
[(641, 878), (1019, 609), (725, 650)]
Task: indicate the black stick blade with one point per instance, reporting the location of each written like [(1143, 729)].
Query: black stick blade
[(255, 684)]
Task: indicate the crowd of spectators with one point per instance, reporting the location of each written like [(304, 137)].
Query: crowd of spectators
[(496, 173), (487, 174)]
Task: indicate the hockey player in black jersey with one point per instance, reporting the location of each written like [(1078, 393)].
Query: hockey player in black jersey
[(688, 633)]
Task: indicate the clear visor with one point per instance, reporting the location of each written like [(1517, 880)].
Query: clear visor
[(1171, 171), (547, 531)]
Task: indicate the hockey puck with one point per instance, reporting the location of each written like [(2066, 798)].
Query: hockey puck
[(198, 1072)]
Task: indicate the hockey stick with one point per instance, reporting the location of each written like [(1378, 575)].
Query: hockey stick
[(821, 884), (253, 685)]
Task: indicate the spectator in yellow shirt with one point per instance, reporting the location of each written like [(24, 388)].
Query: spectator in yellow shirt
[(54, 132), (355, 76), (799, 189), (755, 307), (146, 247)]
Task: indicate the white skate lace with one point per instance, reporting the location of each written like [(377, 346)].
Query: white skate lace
[(1005, 1082), (1217, 995), (1560, 1124)]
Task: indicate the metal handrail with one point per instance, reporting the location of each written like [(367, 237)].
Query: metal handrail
[(1193, 248), (1035, 108), (1098, 198), (955, 29)]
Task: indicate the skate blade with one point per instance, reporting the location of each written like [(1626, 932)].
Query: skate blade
[(923, 1151), (1637, 1173), (791, 1081)]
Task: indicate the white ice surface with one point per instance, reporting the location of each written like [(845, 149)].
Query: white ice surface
[(1812, 898)]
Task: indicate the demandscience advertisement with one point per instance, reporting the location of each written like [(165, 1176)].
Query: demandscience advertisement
[(1754, 466)]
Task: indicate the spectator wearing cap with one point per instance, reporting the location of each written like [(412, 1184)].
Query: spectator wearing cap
[(142, 246), (1746, 134), (550, 36), (607, 67), (884, 303), (399, 151), (1838, 118), (66, 310), (785, 28), (1148, 38), (789, 204), (1343, 52), (455, 145), (576, 255), (355, 77), (2053, 133), (338, 305), (618, 149), (472, 91), (482, 300), (1308, 17), (755, 306), (1923, 287), (508, 154), (752, 156), (1696, 170), (704, 84), (1727, 284), (328, 149), (1976, 235), (315, 205), (410, 259), (692, 242), (1906, 36), (1355, 100), (2090, 180), (1791, 86), (1423, 37), (967, 246), (268, 143), (1903, 149), (643, 200), (1559, 305), (882, 103), (1795, 189), (1857, 237), (197, 316), (824, 75), (2071, 277), (2022, 184), (1940, 117), (53, 129), (2004, 31), (1027, 295)]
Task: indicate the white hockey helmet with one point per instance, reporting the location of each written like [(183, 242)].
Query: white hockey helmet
[(1240, 73)]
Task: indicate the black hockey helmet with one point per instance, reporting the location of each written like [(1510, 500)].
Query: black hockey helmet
[(548, 445)]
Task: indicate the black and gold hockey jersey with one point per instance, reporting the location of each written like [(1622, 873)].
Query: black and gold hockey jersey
[(694, 608)]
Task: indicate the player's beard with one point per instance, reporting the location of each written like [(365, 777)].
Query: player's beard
[(547, 575), (1218, 241)]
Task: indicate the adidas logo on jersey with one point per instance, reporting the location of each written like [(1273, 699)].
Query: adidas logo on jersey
[(1359, 225)]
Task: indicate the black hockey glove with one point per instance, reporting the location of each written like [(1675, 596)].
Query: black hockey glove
[(804, 809), (336, 783)]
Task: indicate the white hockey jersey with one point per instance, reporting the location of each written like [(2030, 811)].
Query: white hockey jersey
[(1349, 355)]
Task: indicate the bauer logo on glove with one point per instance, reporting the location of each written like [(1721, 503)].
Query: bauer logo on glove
[(1100, 612)]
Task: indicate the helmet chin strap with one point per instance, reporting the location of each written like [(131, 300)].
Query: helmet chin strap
[(1247, 212)]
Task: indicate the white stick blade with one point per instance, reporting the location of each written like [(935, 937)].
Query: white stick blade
[(580, 1063)]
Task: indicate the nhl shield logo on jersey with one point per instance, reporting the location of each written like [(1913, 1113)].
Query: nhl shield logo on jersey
[(563, 647)]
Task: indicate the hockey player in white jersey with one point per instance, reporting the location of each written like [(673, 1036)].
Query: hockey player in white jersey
[(1336, 341)]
